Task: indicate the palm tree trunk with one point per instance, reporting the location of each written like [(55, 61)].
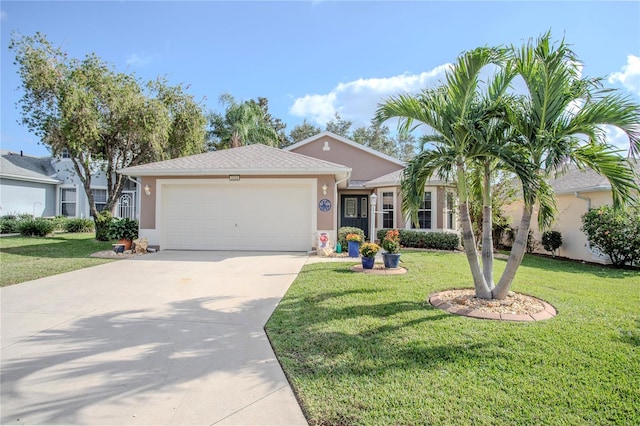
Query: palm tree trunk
[(487, 228), (515, 258), (481, 288)]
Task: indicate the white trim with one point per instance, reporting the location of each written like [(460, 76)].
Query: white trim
[(30, 179), (380, 207), (345, 141)]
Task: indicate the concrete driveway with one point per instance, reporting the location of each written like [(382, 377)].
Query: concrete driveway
[(163, 339)]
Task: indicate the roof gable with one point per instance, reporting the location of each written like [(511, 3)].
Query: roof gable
[(346, 141), (256, 159)]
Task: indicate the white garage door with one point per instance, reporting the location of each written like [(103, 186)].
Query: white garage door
[(266, 215)]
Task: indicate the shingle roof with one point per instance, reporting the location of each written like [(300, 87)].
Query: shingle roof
[(395, 178), (575, 180), (256, 159), (23, 167)]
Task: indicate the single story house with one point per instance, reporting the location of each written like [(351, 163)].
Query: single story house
[(576, 193), (49, 186), (257, 197)]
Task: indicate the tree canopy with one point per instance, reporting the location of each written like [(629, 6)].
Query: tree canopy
[(105, 119), (478, 129)]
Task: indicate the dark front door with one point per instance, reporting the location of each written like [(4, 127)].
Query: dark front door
[(355, 212)]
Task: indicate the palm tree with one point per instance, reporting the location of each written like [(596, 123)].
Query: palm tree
[(462, 118), (242, 123), (559, 123)]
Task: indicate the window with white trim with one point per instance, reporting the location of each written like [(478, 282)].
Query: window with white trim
[(68, 202), (99, 198), (424, 212), (64, 153), (387, 210)]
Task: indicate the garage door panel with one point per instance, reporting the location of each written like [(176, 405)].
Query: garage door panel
[(237, 216)]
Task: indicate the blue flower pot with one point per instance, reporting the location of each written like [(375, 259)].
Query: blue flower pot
[(391, 260), (354, 249), (367, 262)]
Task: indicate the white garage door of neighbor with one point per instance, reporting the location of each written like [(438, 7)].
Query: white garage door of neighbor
[(244, 215)]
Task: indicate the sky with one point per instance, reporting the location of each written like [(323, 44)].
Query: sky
[(310, 59)]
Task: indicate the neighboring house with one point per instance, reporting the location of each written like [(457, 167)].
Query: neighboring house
[(257, 197), (49, 186), (576, 193)]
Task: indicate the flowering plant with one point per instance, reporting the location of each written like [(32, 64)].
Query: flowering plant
[(353, 237), (391, 241), (369, 250)]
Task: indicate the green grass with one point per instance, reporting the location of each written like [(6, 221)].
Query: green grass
[(23, 259), (370, 350)]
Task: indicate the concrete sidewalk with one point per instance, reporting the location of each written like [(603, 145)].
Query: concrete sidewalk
[(165, 338)]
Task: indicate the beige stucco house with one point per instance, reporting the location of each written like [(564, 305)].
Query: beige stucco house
[(576, 192), (257, 197)]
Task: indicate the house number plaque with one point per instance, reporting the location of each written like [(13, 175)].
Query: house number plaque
[(324, 205)]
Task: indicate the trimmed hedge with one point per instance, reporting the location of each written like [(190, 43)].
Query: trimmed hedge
[(411, 238)]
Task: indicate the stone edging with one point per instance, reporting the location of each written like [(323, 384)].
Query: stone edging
[(547, 313), (381, 271)]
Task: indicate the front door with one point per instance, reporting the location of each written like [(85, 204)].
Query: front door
[(355, 212)]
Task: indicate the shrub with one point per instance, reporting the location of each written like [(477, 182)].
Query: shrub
[(123, 229), (102, 222), (38, 227), (342, 234), (79, 225), (428, 240), (8, 225), (616, 233), (60, 223), (551, 241)]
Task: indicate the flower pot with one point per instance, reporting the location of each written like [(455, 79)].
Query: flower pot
[(126, 243), (367, 262), (391, 260), (354, 249)]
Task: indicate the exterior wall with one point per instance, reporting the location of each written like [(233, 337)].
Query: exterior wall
[(568, 223), (365, 166), (17, 196), (326, 221)]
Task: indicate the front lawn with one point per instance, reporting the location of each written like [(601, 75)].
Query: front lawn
[(28, 258), (370, 350)]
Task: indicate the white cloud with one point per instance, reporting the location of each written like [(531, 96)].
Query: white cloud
[(357, 100), (629, 76), (3, 15), (617, 138), (136, 60)]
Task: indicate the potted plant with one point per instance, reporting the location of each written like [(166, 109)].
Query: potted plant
[(369, 251), (124, 230), (354, 241), (391, 244)]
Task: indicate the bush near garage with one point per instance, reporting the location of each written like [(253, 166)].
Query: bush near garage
[(425, 240)]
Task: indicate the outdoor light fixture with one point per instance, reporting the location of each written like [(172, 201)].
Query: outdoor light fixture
[(147, 189), (324, 189), (234, 178)]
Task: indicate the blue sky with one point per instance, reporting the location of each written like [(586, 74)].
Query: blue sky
[(310, 59)]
